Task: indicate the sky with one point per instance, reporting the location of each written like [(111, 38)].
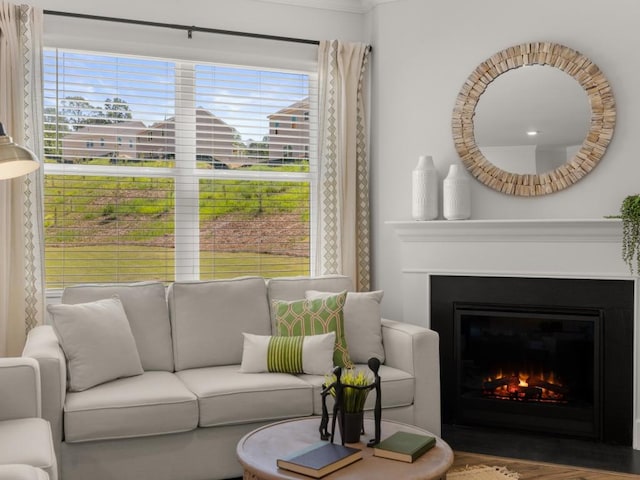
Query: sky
[(242, 97)]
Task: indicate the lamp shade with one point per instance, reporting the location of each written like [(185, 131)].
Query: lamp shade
[(15, 160)]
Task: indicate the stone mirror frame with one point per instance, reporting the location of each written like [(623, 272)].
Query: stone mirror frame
[(603, 117)]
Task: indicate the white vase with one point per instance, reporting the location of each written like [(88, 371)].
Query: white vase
[(424, 190), (456, 194)]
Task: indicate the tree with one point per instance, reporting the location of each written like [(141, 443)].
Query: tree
[(116, 110), (259, 150), (55, 127), (77, 111)]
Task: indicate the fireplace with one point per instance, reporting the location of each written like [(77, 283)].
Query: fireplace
[(533, 368), (545, 355)]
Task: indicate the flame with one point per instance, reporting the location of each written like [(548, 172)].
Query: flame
[(516, 386)]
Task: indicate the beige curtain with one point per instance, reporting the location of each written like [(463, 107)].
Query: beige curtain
[(21, 219), (343, 224)]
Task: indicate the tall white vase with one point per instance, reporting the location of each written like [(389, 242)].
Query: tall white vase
[(424, 189), (456, 194)]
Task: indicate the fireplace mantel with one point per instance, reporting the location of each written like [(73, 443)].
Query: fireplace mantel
[(532, 248), (586, 248), (538, 230)]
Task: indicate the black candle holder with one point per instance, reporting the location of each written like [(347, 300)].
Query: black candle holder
[(338, 407)]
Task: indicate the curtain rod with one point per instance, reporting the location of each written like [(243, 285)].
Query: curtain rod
[(187, 28)]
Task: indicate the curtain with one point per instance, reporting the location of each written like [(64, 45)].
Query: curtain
[(344, 223), (21, 204)]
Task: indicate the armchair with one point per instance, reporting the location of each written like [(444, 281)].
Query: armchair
[(26, 446)]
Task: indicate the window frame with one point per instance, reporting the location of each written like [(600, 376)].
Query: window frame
[(187, 177)]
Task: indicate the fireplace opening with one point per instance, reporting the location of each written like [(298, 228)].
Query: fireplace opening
[(528, 367), (567, 341)]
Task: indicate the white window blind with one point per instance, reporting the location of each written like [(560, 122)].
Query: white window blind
[(170, 170)]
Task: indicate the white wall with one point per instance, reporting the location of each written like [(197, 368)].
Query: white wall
[(424, 51), (241, 15), (237, 15)]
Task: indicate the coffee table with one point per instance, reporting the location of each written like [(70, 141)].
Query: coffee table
[(258, 451)]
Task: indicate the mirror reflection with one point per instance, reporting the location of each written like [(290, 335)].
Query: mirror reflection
[(532, 119)]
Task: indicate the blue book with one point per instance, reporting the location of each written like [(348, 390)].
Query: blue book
[(320, 459)]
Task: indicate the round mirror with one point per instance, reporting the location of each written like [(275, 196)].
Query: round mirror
[(533, 119)]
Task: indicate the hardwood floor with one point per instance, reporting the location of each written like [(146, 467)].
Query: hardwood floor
[(537, 470), (543, 449)]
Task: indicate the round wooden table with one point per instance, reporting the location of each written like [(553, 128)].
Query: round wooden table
[(258, 451)]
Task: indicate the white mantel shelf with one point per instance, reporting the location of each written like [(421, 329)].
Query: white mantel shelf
[(599, 230)]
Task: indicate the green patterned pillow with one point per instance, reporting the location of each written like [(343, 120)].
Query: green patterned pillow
[(312, 354), (313, 317)]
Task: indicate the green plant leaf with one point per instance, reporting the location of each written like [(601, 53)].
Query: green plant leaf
[(630, 214)]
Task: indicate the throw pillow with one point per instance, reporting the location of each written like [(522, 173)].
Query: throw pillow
[(362, 323), (97, 342), (312, 317), (311, 354)]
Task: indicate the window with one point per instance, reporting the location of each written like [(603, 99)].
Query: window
[(195, 196)]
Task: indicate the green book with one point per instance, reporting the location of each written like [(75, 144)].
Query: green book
[(404, 446), (320, 459)]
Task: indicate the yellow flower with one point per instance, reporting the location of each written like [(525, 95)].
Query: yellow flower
[(353, 398)]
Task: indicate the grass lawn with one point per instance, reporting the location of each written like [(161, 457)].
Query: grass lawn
[(93, 264), (87, 217)]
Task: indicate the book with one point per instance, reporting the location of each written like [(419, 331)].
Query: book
[(320, 459), (404, 446)]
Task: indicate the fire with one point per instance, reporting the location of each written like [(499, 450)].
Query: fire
[(525, 386)]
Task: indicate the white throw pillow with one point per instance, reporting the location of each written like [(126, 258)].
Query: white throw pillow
[(312, 354), (362, 324), (97, 341)]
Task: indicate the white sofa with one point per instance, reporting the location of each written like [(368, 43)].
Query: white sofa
[(182, 418), (26, 446)]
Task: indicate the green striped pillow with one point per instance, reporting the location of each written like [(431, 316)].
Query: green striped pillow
[(284, 354), (312, 354)]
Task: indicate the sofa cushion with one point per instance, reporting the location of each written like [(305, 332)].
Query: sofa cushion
[(312, 317), (362, 324), (28, 441), (145, 304), (226, 396), (150, 404), (265, 353), (294, 288), (97, 342), (397, 389), (22, 472), (208, 319)]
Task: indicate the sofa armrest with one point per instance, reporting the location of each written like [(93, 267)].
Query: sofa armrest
[(42, 345), (415, 350), (20, 380)]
